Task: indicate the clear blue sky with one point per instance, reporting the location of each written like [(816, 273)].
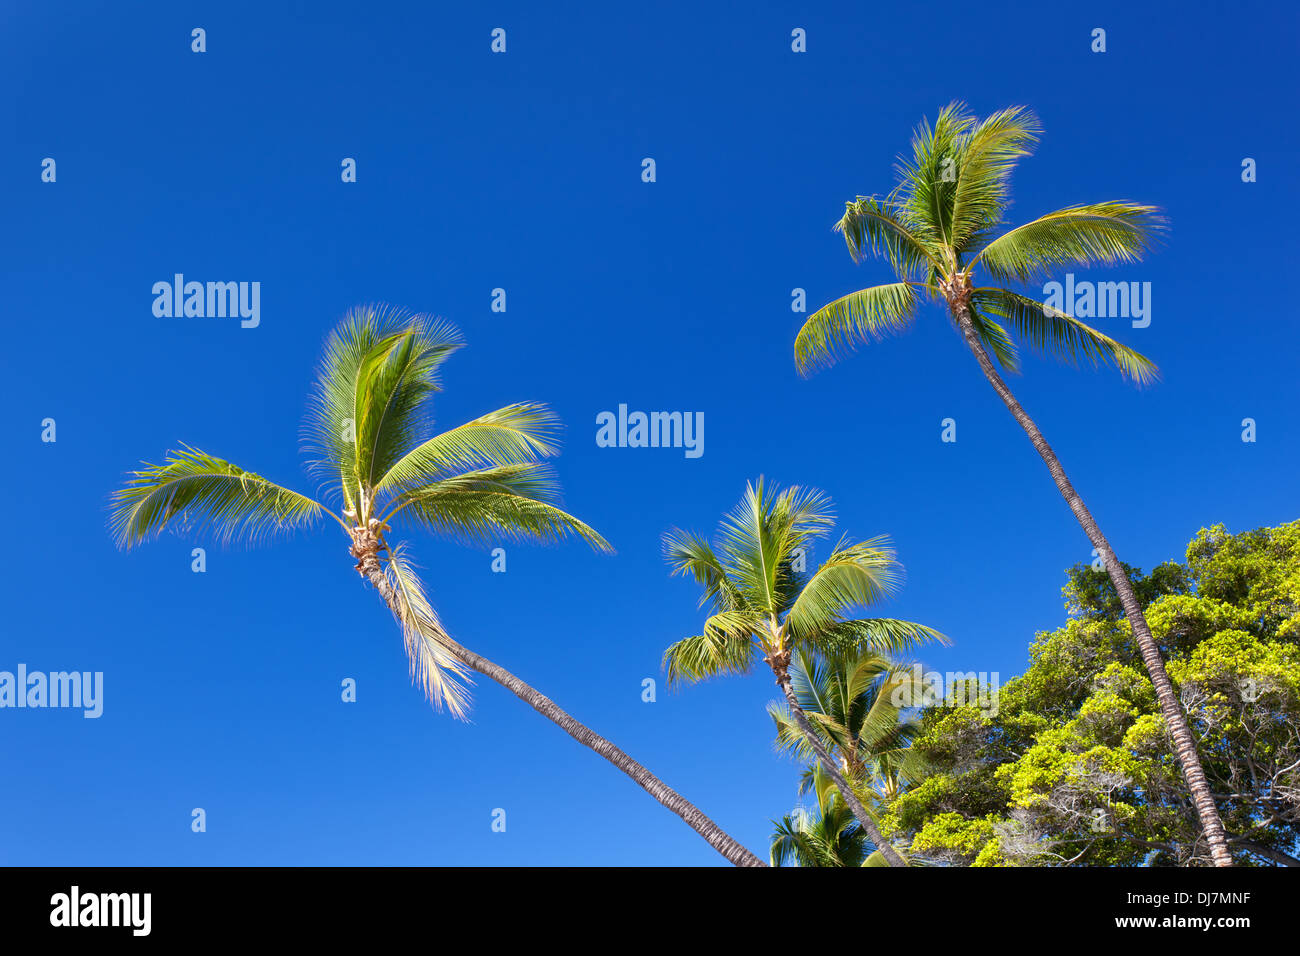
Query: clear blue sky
[(522, 171)]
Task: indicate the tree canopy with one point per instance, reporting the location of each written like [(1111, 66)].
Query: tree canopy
[(1075, 767)]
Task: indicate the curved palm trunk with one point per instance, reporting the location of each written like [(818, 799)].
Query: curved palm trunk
[(781, 669), (1175, 719), (717, 838)]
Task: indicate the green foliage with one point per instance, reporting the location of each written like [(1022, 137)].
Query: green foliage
[(760, 602), (369, 422), (939, 225), (205, 493), (1075, 767), (831, 837)]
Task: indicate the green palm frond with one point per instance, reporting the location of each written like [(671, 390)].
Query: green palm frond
[(829, 838), (855, 319), (370, 399), (441, 675), (511, 502), (707, 655), (986, 159), (759, 536), (879, 635), (854, 575), (1063, 336), (928, 182), (1082, 235), (689, 554), (995, 339), (850, 701), (201, 492), (518, 434), (790, 738), (393, 388), (872, 225)]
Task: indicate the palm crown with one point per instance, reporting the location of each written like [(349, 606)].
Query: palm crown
[(370, 427), (940, 226), (830, 838), (760, 602), (853, 702)]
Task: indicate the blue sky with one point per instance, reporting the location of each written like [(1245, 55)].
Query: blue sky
[(523, 171)]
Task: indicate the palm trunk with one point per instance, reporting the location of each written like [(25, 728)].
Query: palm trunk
[(1175, 719), (780, 668), (717, 838)]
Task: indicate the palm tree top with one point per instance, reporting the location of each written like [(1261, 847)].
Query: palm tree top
[(829, 838), (369, 426), (940, 226), (759, 600), (856, 703)]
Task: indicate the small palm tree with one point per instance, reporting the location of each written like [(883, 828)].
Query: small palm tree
[(831, 838), (855, 702), (938, 228), (763, 605), (369, 427)]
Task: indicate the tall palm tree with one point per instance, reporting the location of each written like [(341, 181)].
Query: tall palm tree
[(855, 702), (762, 604), (831, 838), (938, 228), (369, 426)]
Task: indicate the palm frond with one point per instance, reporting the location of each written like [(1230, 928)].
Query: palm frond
[(986, 159), (880, 635), (995, 339), (858, 318), (202, 492), (441, 675), (689, 554), (1063, 336), (515, 435), (871, 225), (511, 502), (831, 838), (1082, 235), (758, 537), (707, 655), (927, 181), (854, 575), (370, 398)]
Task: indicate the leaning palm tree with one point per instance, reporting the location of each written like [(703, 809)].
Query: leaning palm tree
[(763, 604), (369, 427), (939, 230), (856, 704), (831, 838)]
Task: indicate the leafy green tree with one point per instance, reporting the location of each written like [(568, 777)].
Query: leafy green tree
[(762, 605), (1075, 768), (369, 427), (939, 228)]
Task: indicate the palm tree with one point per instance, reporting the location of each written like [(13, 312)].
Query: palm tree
[(855, 702), (763, 604), (831, 838), (369, 428), (938, 226)]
